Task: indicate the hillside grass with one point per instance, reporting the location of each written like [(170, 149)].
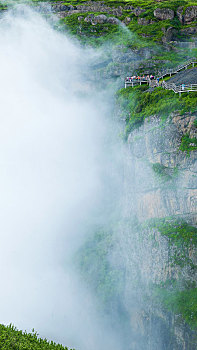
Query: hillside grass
[(181, 237), (13, 339), (183, 303), (150, 33), (137, 104), (178, 295)]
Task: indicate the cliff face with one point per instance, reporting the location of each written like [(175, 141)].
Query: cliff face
[(159, 245), (165, 178)]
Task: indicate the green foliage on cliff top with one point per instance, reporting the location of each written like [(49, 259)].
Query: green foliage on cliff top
[(12, 339), (145, 34), (137, 104), (146, 4)]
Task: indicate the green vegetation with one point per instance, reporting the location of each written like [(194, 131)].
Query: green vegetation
[(188, 144), (163, 172), (153, 32), (86, 32), (137, 104), (151, 5), (178, 296), (12, 339), (177, 230), (180, 302), (181, 238), (93, 261)]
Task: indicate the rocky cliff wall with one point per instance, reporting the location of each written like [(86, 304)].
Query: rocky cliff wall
[(158, 243), (172, 190)]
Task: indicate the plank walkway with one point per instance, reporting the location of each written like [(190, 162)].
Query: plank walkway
[(168, 86)]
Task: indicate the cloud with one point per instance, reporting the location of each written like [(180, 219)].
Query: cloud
[(54, 170)]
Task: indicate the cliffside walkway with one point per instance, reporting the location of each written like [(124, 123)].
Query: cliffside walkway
[(177, 88), (172, 71)]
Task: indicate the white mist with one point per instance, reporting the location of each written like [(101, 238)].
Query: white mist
[(52, 161)]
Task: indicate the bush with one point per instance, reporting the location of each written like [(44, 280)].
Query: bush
[(137, 104), (12, 339)]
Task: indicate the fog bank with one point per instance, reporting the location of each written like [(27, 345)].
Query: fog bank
[(56, 163)]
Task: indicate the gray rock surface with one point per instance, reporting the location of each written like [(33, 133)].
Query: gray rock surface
[(189, 31), (161, 145), (190, 14), (188, 76), (164, 13), (143, 21), (100, 19), (169, 34)]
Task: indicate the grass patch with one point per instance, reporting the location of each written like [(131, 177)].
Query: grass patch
[(12, 339), (86, 32), (177, 230), (188, 144), (137, 104), (180, 302), (181, 238), (163, 172)]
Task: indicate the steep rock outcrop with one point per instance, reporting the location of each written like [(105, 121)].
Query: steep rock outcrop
[(188, 15), (160, 190), (161, 145), (164, 13)]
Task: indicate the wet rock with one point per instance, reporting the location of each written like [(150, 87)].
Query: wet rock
[(138, 11), (169, 34), (143, 21), (189, 31), (164, 13), (80, 18), (89, 18), (116, 12), (190, 14), (129, 7), (180, 14), (112, 20), (62, 7), (101, 19), (127, 20)]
